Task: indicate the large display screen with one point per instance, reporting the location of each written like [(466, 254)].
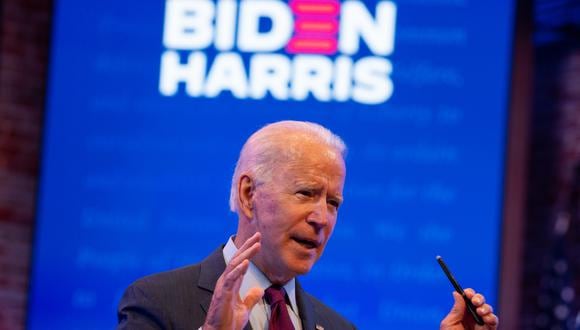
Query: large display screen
[(149, 104)]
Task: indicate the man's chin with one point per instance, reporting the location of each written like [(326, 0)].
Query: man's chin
[(301, 268)]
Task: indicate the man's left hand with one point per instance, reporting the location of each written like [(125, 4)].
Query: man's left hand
[(460, 319)]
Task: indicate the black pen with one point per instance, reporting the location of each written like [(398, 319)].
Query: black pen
[(459, 290)]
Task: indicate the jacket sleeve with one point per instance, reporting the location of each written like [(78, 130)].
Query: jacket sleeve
[(138, 309)]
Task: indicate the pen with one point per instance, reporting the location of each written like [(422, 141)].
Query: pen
[(459, 290)]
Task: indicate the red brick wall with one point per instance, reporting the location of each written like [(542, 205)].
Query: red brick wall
[(552, 234), (24, 38)]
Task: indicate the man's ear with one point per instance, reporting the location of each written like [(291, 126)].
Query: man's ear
[(246, 194)]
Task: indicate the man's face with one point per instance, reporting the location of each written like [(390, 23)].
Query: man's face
[(296, 211)]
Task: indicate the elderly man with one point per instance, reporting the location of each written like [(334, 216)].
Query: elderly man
[(286, 189)]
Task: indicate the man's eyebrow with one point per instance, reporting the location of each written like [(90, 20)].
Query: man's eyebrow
[(309, 183)]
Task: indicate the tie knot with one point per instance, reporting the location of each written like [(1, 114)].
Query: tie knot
[(275, 294)]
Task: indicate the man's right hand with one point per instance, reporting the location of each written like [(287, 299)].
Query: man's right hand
[(227, 310)]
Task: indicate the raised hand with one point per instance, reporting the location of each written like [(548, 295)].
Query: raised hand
[(460, 319), (227, 310)]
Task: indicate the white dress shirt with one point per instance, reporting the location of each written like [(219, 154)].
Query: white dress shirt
[(260, 314)]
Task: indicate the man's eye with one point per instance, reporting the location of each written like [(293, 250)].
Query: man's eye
[(334, 203), (305, 193)]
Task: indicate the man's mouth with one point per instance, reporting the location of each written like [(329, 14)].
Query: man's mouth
[(306, 242)]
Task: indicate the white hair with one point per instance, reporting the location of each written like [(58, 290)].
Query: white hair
[(263, 152)]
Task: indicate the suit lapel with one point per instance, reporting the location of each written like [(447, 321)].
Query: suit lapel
[(210, 270), (305, 308)]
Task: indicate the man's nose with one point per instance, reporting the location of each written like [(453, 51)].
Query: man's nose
[(319, 215)]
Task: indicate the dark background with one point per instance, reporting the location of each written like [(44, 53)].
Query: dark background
[(542, 183)]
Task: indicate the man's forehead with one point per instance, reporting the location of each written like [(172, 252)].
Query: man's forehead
[(314, 172), (307, 147)]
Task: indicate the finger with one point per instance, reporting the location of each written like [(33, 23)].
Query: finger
[(478, 300), (247, 254), (491, 319), (484, 310), (456, 313), (238, 281), (253, 296), (247, 250), (469, 292), (458, 305), (250, 241), (235, 275)]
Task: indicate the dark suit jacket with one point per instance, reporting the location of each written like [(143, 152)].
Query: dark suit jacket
[(180, 298)]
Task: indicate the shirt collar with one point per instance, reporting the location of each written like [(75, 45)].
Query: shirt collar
[(255, 278)]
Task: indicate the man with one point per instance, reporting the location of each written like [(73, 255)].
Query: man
[(286, 189)]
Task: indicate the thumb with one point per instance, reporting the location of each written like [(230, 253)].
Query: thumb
[(253, 296), (457, 311), (459, 305)]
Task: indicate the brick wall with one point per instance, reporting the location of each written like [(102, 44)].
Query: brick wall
[(552, 244), (24, 38)]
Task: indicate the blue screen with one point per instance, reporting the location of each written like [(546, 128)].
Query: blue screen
[(150, 103)]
